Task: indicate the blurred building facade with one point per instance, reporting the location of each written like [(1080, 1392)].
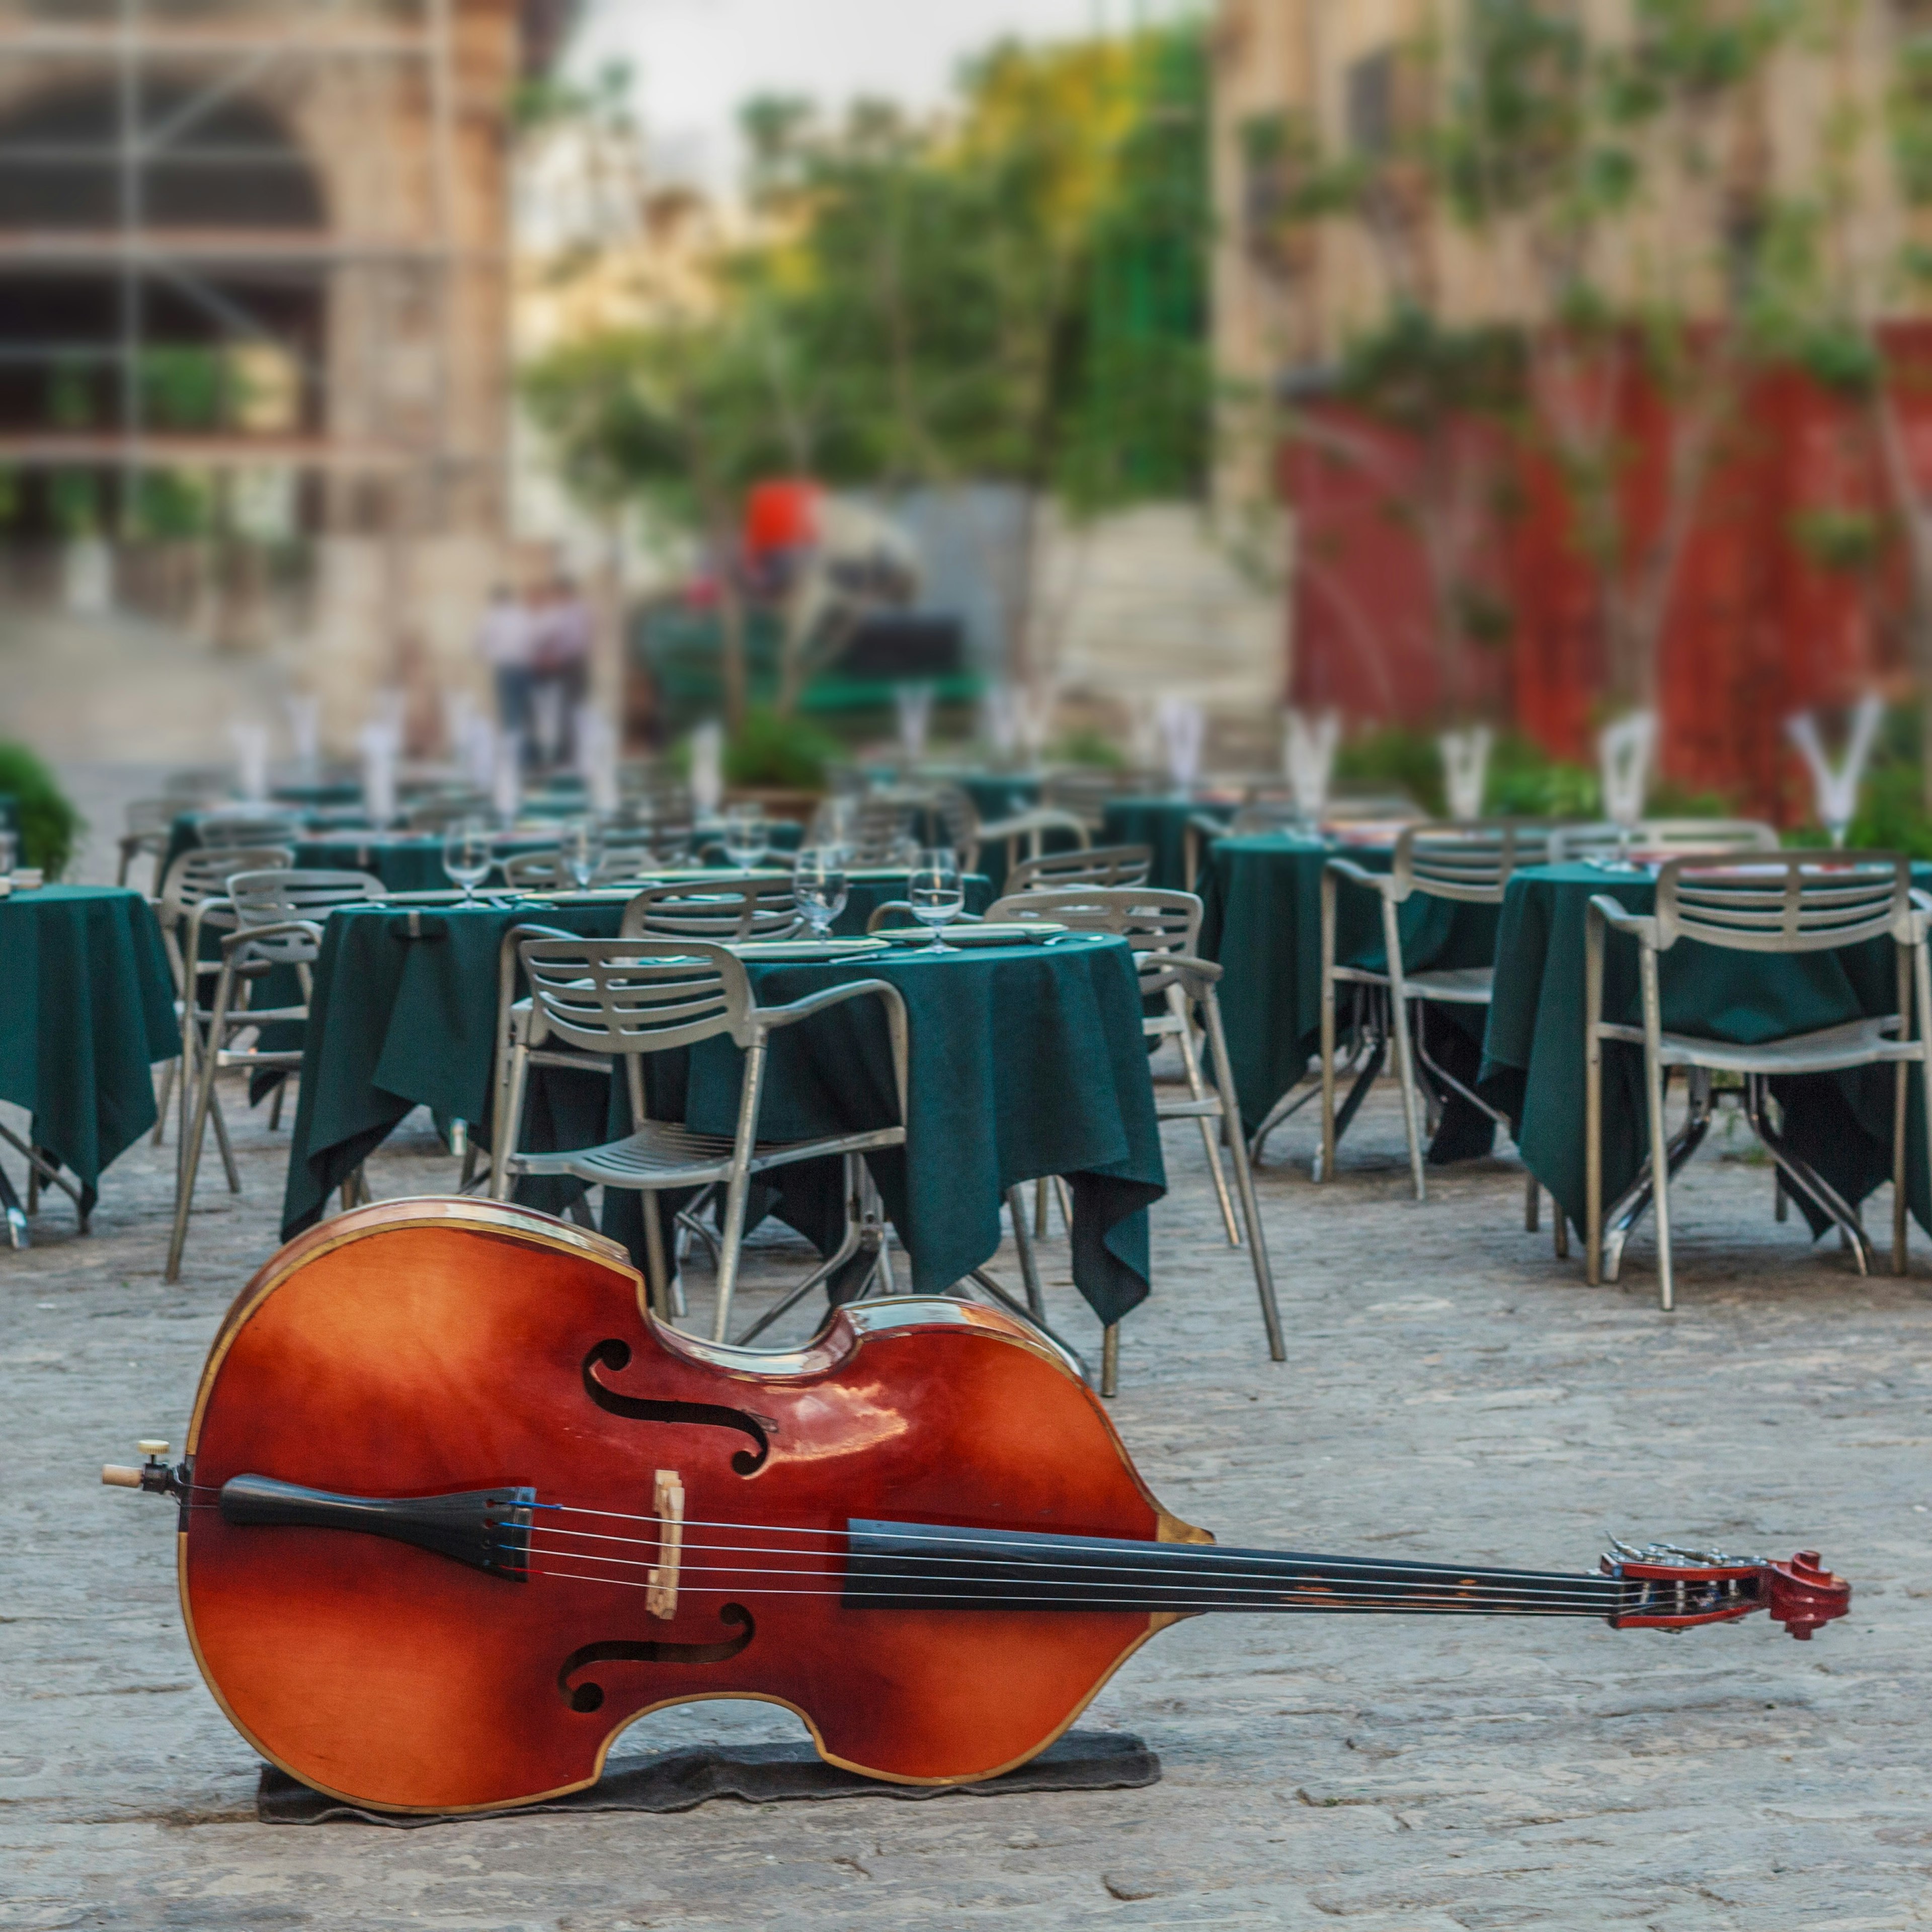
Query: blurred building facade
[(1753, 492), (254, 295)]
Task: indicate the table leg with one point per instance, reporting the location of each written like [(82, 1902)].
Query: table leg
[(1631, 1207), (17, 1234)]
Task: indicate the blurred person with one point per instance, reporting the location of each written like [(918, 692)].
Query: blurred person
[(506, 640), (566, 631)]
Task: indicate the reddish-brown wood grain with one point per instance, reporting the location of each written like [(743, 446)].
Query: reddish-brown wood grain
[(420, 1348)]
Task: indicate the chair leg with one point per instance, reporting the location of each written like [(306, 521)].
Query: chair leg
[(1781, 1199), (1659, 1142), (1244, 1175), (505, 1128), (657, 1275), (1593, 1154), (1023, 1247), (275, 1106), (1039, 1209), (1901, 1074), (163, 1100), (1922, 975), (1110, 1360), (219, 1120), (1532, 1203), (1197, 1089), (739, 1188), (1404, 1057), (190, 1161), (1324, 1163)]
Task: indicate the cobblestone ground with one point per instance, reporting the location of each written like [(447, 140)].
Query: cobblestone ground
[(1452, 1392)]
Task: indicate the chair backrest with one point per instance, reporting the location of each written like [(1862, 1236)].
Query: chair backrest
[(540, 871), (1601, 838), (1796, 902), (199, 875), (225, 830), (1150, 919), (632, 996), (1471, 862), (273, 895), (284, 895), (660, 837), (1096, 866), (753, 905), (1344, 806)]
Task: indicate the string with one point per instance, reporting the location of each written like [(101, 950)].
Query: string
[(1578, 1610), (1254, 1583)]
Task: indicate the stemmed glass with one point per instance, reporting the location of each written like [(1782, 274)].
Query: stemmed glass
[(818, 884), (935, 892), (748, 835), (582, 850), (467, 856)]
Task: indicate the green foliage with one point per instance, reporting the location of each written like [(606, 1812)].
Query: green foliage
[(1525, 782), (183, 388), (1843, 540), (1415, 372), (48, 823), (1395, 760), (1891, 815), (1089, 747), (1016, 291), (774, 750)]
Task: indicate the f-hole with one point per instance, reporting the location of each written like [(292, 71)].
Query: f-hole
[(615, 1355), (589, 1696)]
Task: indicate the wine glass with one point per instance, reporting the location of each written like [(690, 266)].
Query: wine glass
[(581, 850), (818, 884), (934, 890), (467, 856), (748, 835)]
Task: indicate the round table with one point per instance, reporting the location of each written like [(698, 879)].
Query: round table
[(88, 1007), (1026, 1060)]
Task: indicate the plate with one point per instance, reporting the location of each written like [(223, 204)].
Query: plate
[(804, 949), (1013, 932)]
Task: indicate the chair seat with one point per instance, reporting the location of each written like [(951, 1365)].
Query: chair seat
[(1460, 986), (665, 1153), (1862, 1042)]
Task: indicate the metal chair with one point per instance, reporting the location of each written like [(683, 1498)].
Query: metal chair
[(1689, 836), (1095, 865), (1470, 864), (198, 784), (751, 905), (660, 822), (968, 834), (276, 916), (539, 872), (224, 830), (150, 827), (195, 891), (627, 998), (1163, 928), (1797, 903)]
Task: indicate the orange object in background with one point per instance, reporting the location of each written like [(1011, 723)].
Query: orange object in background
[(782, 515)]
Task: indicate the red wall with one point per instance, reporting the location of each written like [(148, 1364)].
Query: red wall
[(1758, 626)]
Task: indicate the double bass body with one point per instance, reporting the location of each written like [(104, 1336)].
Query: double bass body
[(454, 1349)]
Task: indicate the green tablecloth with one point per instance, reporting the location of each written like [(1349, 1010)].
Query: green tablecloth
[(1161, 823), (86, 1007), (1026, 1060), (1262, 921), (1533, 1052), (318, 791)]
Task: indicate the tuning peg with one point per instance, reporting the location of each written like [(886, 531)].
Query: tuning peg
[(149, 1446)]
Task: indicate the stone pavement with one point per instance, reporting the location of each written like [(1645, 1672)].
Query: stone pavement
[(1453, 1393)]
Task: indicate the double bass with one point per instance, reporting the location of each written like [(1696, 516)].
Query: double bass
[(455, 1509)]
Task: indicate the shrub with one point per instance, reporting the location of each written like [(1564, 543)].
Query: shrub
[(48, 823), (774, 750)]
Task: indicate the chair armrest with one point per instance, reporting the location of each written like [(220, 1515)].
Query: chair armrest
[(772, 1018), (1036, 818), (1360, 875), (1639, 925), (287, 928), (887, 912)]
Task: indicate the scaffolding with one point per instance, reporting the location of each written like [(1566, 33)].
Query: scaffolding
[(95, 208)]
